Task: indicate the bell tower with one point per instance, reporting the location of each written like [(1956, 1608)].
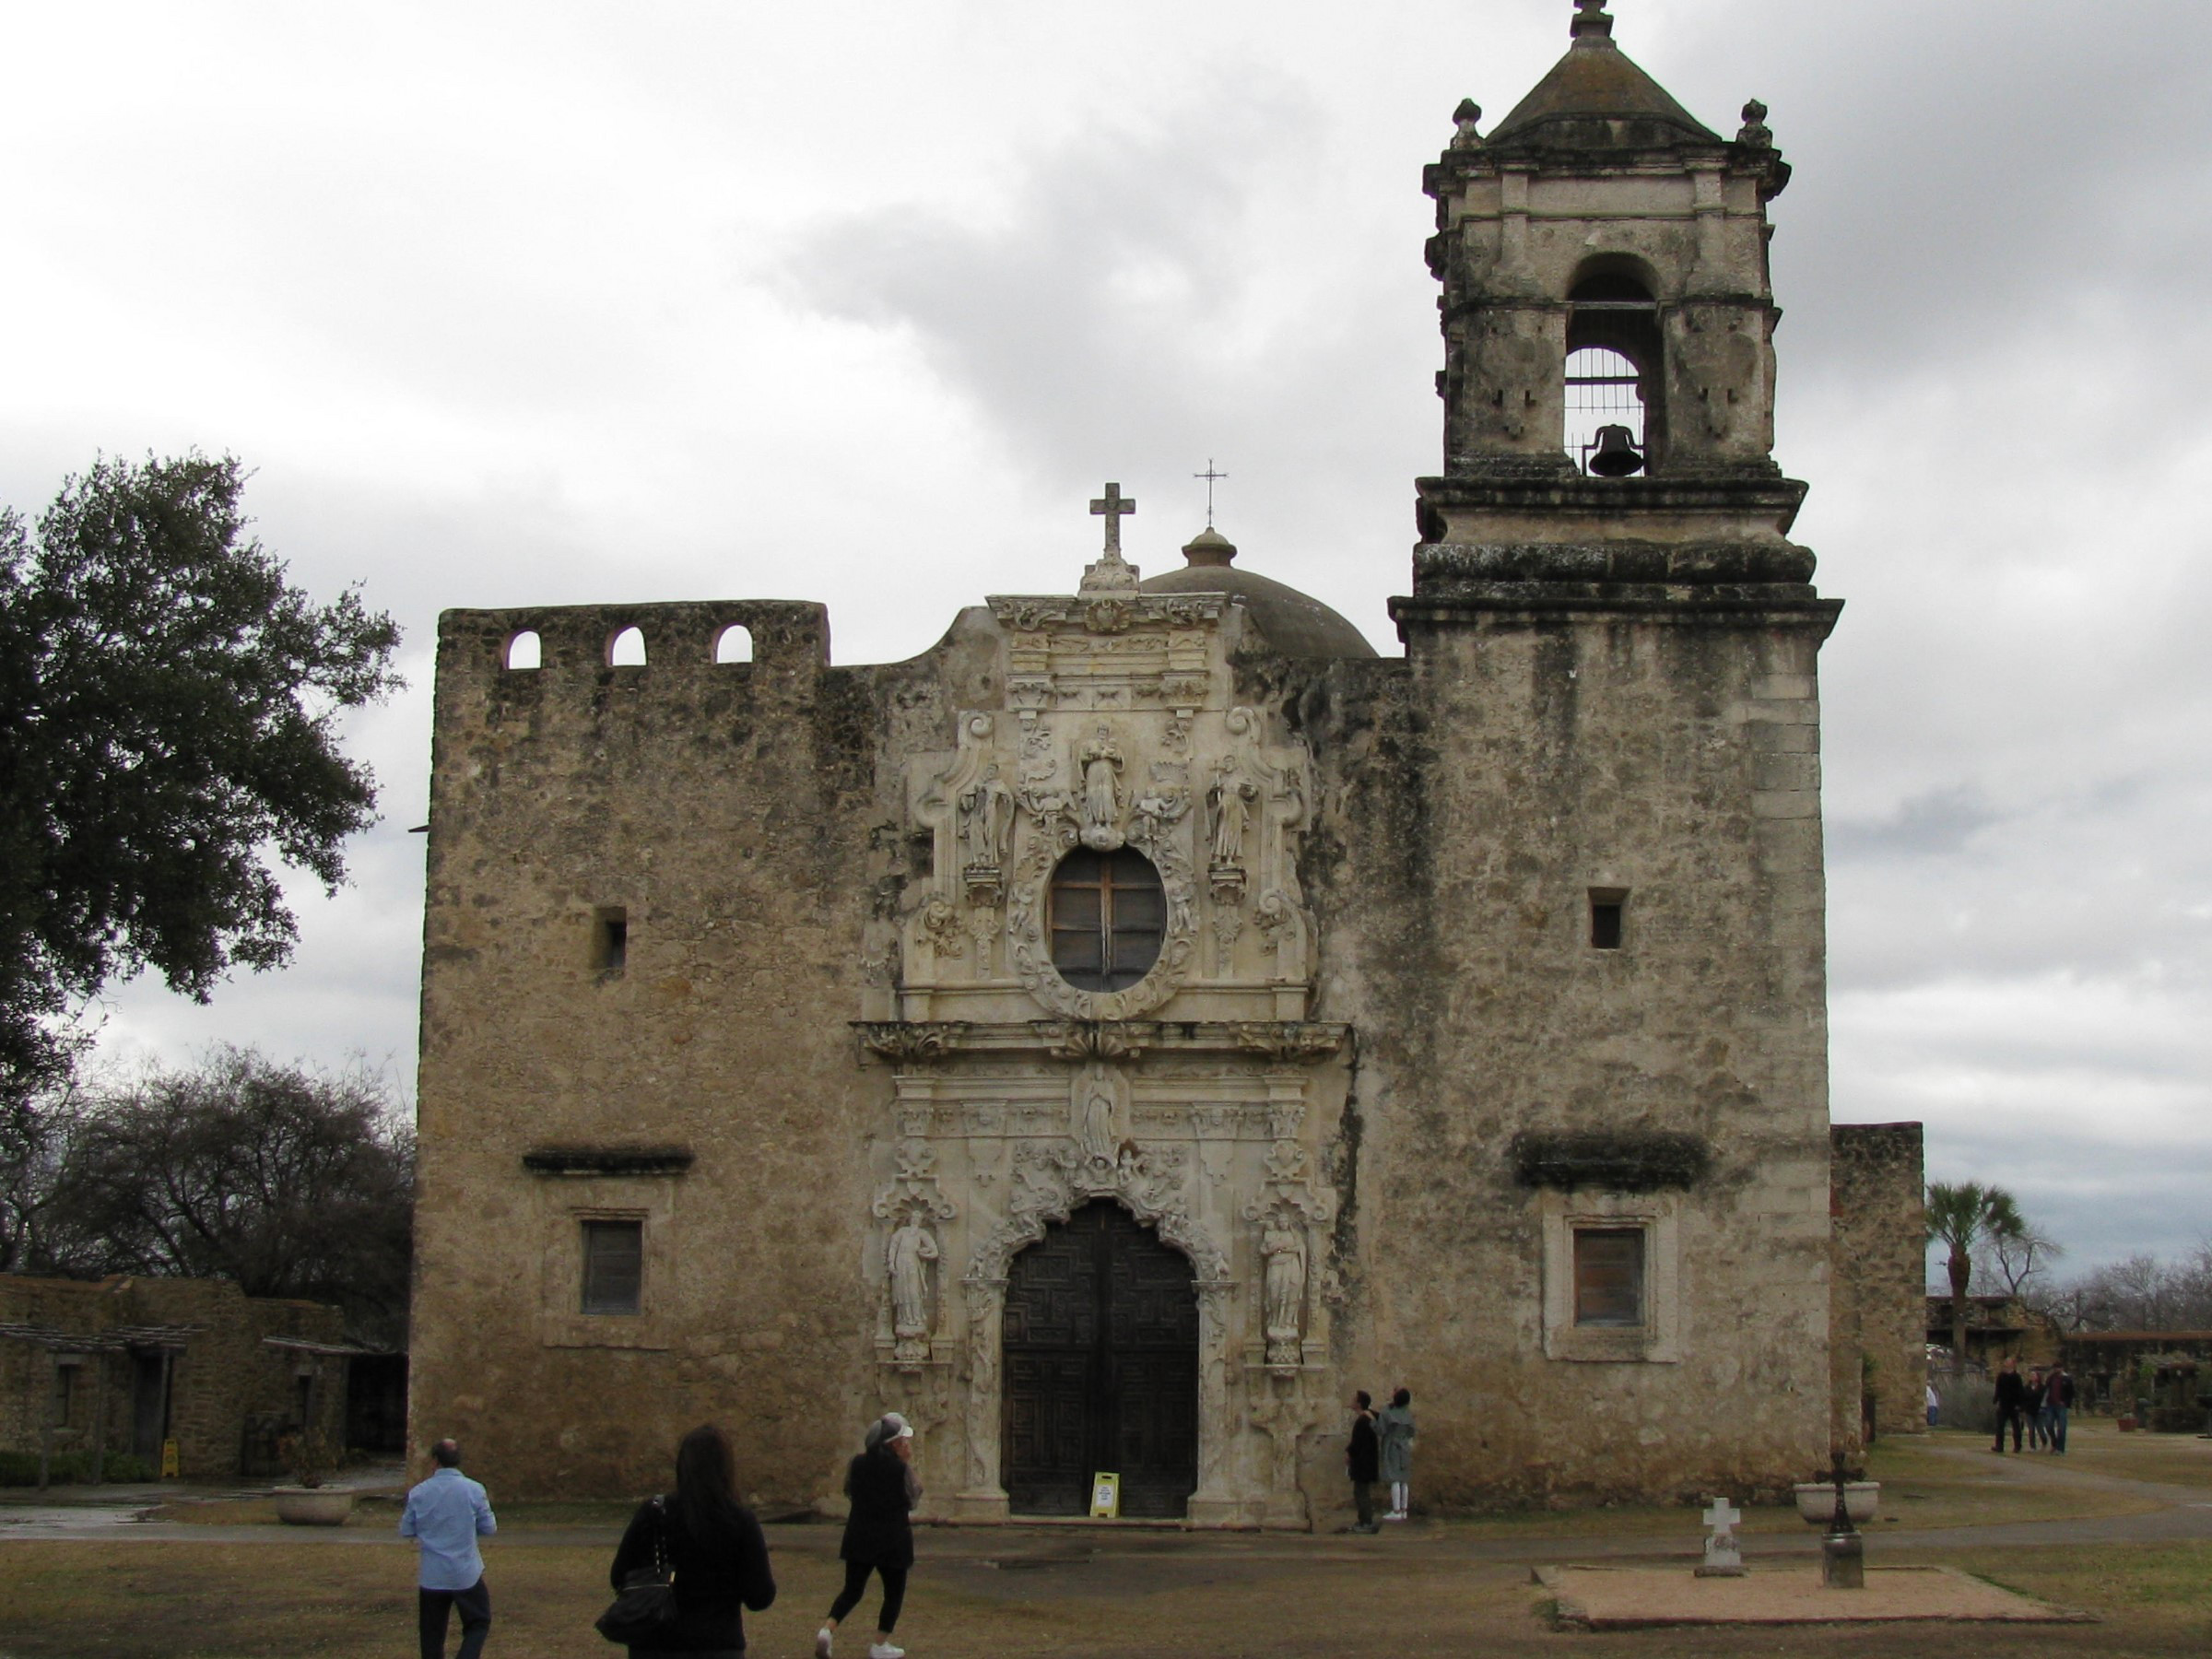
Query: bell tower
[(1612, 649), (1606, 314)]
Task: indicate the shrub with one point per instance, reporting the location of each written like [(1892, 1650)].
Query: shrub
[(72, 1468)]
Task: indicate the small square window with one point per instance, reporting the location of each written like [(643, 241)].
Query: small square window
[(614, 1266), (1608, 908), (1608, 1277), (610, 938)]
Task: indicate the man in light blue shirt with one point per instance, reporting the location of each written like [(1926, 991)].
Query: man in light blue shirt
[(445, 1515)]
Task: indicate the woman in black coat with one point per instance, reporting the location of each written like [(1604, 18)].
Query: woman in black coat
[(713, 1543), (878, 1537)]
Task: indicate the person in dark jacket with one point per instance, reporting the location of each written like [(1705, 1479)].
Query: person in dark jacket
[(2012, 1401), (2058, 1401), (713, 1545), (1360, 1460), (878, 1535), (2032, 1409)]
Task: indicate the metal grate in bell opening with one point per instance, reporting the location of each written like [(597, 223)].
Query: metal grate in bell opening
[(1601, 392)]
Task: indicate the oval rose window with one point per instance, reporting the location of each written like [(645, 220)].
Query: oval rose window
[(1106, 914)]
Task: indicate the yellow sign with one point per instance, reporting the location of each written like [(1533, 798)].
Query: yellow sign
[(169, 1460), (1105, 1497)]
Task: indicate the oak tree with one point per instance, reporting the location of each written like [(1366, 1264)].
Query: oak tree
[(168, 709)]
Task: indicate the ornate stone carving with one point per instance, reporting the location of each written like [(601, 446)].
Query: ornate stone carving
[(909, 1042), (1051, 1178), (908, 1253), (913, 1203), (986, 820), (1283, 1251), (1289, 1040), (1229, 808), (1099, 761)]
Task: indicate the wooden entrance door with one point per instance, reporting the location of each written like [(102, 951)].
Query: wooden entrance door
[(1101, 1368)]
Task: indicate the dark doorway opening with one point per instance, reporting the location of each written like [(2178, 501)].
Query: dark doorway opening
[(1101, 1368), (150, 1403)]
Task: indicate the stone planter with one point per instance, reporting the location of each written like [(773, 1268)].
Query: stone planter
[(313, 1506), (1816, 1500)]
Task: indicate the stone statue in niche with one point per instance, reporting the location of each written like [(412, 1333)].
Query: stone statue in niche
[(987, 812), (907, 1254), (1230, 798), (1102, 766), (1099, 1139), (1283, 1283)]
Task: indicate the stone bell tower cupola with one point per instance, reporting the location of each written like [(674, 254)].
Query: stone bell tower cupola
[(1606, 314)]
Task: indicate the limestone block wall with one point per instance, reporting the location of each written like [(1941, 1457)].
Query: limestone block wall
[(737, 817), (1878, 1200), (225, 1373), (1473, 798)]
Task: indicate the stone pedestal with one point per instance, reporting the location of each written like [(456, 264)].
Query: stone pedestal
[(1844, 1561)]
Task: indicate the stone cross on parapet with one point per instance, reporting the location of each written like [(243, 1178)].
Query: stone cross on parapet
[(1722, 1516), (1112, 505)]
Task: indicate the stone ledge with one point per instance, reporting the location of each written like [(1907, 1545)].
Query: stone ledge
[(608, 1160)]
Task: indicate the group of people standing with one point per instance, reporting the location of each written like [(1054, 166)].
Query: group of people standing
[(709, 1544), (2037, 1404), (1380, 1450)]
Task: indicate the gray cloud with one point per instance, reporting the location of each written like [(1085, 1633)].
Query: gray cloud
[(861, 304)]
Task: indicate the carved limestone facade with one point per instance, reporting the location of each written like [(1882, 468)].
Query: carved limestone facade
[(1197, 1099)]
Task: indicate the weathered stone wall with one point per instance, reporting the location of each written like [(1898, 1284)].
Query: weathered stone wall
[(224, 1373), (738, 815), (1474, 797), (1878, 1342)]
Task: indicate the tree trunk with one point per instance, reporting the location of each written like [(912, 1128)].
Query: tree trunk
[(1961, 1269)]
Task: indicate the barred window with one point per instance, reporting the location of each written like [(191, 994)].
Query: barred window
[(614, 1266)]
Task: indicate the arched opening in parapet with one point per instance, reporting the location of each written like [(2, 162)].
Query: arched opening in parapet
[(1614, 422), (522, 649), (627, 649), (734, 645)]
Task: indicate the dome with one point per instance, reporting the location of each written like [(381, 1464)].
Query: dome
[(1292, 623)]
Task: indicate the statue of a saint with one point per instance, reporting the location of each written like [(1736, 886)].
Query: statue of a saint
[(1101, 792), (911, 1247), (1098, 1125), (1231, 798), (1283, 1285), (985, 807)]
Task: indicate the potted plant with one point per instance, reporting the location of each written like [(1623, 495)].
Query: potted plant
[(309, 1501)]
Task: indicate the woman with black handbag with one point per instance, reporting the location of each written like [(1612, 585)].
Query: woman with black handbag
[(692, 1562)]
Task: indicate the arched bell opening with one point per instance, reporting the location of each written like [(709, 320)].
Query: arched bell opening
[(1100, 1341), (1615, 415)]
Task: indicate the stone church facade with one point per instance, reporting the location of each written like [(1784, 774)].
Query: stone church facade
[(1119, 1032)]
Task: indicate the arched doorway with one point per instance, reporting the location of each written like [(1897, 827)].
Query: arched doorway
[(1101, 1338)]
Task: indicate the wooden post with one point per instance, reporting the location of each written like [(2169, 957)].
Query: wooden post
[(46, 1439), (99, 1417)]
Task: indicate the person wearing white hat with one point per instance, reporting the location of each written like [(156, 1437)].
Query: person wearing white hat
[(880, 1537)]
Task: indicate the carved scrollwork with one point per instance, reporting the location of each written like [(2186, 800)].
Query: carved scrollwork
[(1301, 1041), (910, 1041), (1051, 1177)]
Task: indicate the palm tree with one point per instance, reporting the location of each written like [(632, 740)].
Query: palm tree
[(1959, 1218)]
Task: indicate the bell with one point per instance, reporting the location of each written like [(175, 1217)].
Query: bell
[(1616, 456)]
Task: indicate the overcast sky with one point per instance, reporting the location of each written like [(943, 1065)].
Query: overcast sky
[(519, 304)]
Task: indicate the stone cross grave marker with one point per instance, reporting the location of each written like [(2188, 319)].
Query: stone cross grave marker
[(1723, 1558)]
